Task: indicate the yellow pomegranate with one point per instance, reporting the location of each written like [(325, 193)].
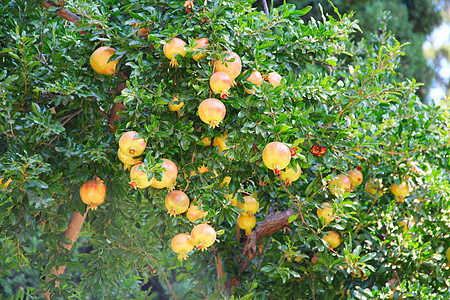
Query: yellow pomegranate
[(128, 161), (274, 79), (182, 245), (138, 178), (99, 61), (326, 212), (170, 49), (246, 222), (130, 145), (220, 83), (276, 156), (193, 213), (93, 193), (231, 64), (333, 239), (177, 202), (356, 177), (290, 175), (203, 236), (169, 176), (339, 185), (212, 111), (200, 44), (400, 191), (250, 205), (255, 78)]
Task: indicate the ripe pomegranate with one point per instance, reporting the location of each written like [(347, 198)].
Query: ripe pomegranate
[(274, 79), (131, 146), (175, 105), (93, 193), (220, 83), (340, 185), (326, 212), (356, 177), (333, 239), (231, 64), (400, 191), (169, 176), (250, 205), (276, 156), (374, 187), (177, 202), (193, 213), (289, 174), (128, 161), (203, 236), (200, 44), (99, 61), (175, 46), (138, 178), (212, 112), (255, 78), (182, 245), (247, 222)]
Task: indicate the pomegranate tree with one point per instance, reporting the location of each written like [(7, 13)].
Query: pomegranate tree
[(177, 202), (203, 236), (333, 239), (100, 61), (169, 176), (220, 83), (93, 193), (326, 212), (182, 245), (255, 78), (231, 64), (139, 178), (212, 111), (246, 222), (130, 145), (276, 156), (290, 175), (340, 185), (170, 49), (200, 44)]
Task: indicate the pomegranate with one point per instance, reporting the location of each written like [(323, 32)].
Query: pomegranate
[(177, 202), (182, 244), (127, 161), (247, 222), (406, 224), (276, 156), (175, 105), (255, 78), (200, 44), (340, 185), (193, 213), (289, 174), (169, 176), (400, 191), (231, 64), (326, 212), (212, 112), (138, 178), (220, 83), (274, 79), (99, 61), (131, 146), (374, 187), (203, 236), (250, 205), (333, 239), (356, 177), (170, 49), (93, 193)]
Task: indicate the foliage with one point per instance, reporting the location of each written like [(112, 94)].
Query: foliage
[(335, 92)]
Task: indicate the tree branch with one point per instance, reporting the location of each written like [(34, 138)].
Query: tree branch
[(67, 15)]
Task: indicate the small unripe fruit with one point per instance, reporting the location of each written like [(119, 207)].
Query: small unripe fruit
[(175, 104), (246, 222), (374, 187), (400, 191), (326, 212)]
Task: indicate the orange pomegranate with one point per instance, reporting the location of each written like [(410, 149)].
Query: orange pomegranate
[(177, 202), (93, 193), (290, 175), (99, 61), (203, 236), (246, 222), (128, 161), (220, 83), (169, 176), (339, 185), (230, 64), (356, 177), (274, 79), (212, 111), (182, 245), (138, 178), (193, 213), (255, 78), (130, 145), (276, 156), (170, 49), (200, 44), (250, 205)]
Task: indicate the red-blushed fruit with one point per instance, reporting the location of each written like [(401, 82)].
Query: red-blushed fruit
[(175, 105), (99, 61), (276, 156), (374, 187), (128, 161), (326, 212), (356, 177), (230, 64), (246, 222), (200, 44), (93, 193), (212, 111), (193, 213), (130, 145), (340, 185), (203, 236), (169, 176), (255, 78), (400, 191), (170, 49), (138, 178), (333, 239), (177, 202), (290, 175), (274, 79), (182, 245), (250, 205), (220, 83)]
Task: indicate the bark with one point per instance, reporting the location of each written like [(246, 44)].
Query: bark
[(67, 15), (117, 106)]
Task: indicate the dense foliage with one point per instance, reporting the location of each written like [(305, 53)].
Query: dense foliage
[(61, 126)]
